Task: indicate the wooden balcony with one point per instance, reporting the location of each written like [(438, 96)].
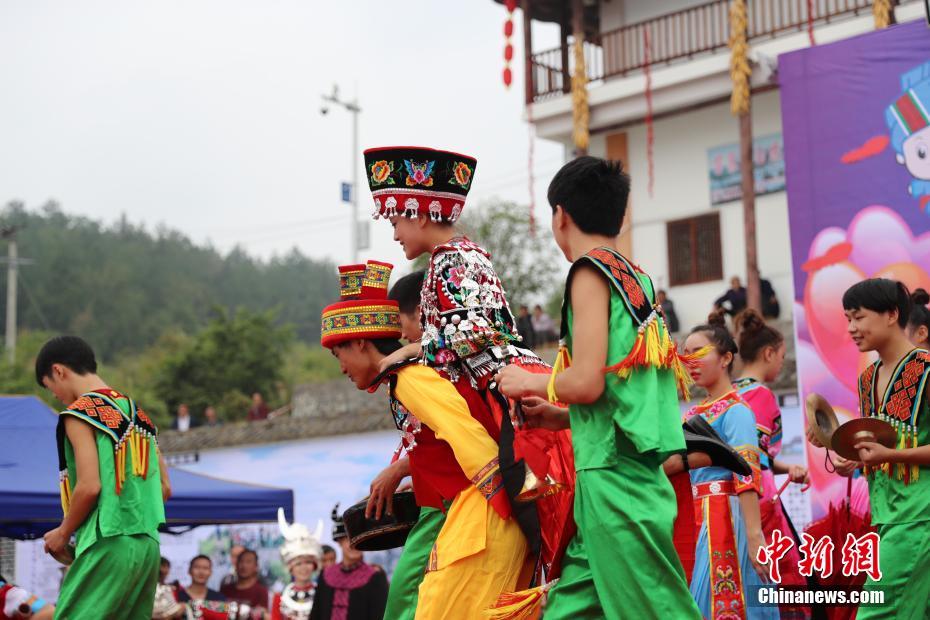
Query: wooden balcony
[(679, 36)]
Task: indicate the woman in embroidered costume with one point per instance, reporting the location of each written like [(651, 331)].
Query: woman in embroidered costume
[(113, 490), (451, 441), (762, 351), (469, 331), (350, 589), (726, 505), (617, 370), (301, 554), (895, 388)]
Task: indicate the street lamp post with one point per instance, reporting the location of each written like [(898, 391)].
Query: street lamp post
[(353, 107)]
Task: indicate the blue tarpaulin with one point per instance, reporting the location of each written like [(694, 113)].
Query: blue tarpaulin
[(29, 498)]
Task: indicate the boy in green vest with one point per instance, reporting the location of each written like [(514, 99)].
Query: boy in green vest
[(617, 371), (111, 490)]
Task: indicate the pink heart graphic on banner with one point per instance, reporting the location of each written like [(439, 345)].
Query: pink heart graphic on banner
[(878, 243)]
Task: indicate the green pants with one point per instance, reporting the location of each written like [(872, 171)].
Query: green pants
[(410, 568), (114, 578), (904, 557), (622, 563)]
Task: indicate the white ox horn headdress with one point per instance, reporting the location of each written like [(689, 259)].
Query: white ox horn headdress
[(298, 541)]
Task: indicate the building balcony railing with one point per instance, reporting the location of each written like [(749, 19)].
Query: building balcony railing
[(677, 36)]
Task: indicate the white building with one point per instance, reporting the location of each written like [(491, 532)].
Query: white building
[(690, 246)]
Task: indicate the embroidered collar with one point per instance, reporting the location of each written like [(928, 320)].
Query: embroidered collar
[(902, 397), (711, 410)]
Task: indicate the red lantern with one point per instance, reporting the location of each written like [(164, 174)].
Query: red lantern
[(511, 5), (508, 52), (508, 76), (508, 28)]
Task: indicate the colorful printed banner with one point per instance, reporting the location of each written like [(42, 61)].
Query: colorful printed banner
[(854, 117)]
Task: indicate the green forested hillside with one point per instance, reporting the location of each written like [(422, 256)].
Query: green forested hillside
[(121, 287)]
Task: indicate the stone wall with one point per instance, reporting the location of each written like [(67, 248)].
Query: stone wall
[(338, 408), (320, 410)]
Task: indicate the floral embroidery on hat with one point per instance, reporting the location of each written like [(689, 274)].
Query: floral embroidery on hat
[(382, 173), (461, 174), (419, 174)]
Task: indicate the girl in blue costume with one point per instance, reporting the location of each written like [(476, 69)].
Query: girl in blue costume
[(726, 506)]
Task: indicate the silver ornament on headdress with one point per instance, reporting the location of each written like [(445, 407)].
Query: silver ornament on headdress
[(411, 206), (298, 541)]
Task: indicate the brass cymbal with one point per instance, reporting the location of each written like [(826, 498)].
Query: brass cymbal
[(862, 429), (821, 419)]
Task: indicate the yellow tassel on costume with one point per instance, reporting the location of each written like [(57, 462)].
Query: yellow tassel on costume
[(64, 487), (563, 360), (654, 355), (915, 469), (522, 605), (902, 468)]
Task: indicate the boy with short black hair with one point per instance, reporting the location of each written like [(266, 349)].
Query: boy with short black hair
[(896, 388), (625, 422), (111, 489)]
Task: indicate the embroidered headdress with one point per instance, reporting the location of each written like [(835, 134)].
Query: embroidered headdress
[(365, 311), (412, 180), (298, 541)]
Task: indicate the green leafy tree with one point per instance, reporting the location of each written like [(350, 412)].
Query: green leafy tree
[(233, 357), (121, 287)]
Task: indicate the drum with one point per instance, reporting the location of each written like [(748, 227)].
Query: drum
[(388, 532)]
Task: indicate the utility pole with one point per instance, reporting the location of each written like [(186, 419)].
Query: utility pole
[(353, 107), (12, 269)]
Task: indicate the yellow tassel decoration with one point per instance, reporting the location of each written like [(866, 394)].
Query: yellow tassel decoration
[(882, 12), (522, 605), (902, 443), (563, 360), (64, 487)]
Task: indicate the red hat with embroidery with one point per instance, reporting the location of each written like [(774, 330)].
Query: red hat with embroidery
[(414, 180), (365, 311)]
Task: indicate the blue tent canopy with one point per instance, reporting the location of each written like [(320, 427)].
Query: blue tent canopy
[(29, 498)]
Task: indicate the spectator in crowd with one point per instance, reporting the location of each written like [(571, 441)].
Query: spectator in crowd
[(525, 327), (200, 570), (770, 307), (248, 588), (734, 300), (234, 553), (543, 326), (668, 309), (182, 420), (209, 416), (258, 410), (163, 570), (329, 557)]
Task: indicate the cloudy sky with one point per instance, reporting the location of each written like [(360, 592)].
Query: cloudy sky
[(204, 115)]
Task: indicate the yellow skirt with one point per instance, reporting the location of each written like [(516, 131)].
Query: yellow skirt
[(477, 556)]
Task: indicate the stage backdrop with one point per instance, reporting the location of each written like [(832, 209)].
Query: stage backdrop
[(857, 149)]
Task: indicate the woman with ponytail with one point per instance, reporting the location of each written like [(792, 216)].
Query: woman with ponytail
[(726, 505), (918, 324), (762, 351)]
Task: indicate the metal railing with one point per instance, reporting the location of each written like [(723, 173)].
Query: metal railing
[(680, 35)]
